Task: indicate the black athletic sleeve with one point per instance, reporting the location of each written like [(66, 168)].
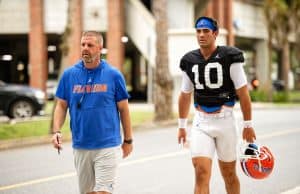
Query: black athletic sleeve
[(182, 64), (236, 55)]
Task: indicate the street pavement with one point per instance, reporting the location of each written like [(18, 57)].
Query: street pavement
[(158, 164)]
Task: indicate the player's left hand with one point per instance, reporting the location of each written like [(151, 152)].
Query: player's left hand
[(127, 149), (249, 135)]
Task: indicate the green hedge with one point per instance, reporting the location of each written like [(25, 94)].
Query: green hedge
[(258, 96), (277, 96)]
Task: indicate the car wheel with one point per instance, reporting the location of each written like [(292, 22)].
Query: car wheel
[(21, 109)]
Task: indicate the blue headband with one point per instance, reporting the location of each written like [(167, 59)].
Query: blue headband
[(205, 23)]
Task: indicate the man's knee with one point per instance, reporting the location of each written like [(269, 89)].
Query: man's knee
[(202, 169), (228, 171), (230, 177), (202, 174)]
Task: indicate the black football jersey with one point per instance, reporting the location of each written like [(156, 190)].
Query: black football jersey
[(211, 78)]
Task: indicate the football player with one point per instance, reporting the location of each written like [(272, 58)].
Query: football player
[(214, 75)]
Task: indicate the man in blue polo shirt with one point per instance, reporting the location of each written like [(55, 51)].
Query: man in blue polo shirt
[(96, 96)]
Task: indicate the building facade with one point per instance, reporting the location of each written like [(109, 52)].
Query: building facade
[(31, 35)]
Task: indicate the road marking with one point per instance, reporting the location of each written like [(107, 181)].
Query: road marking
[(279, 133), (37, 181), (152, 158), (142, 160), (295, 190)]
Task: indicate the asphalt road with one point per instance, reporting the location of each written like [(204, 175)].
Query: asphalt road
[(158, 164)]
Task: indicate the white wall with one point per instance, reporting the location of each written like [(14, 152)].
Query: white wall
[(249, 21), (14, 16), (180, 14), (140, 27), (95, 15), (55, 17)]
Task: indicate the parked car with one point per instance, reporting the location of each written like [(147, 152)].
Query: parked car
[(278, 85), (20, 101), (51, 89)]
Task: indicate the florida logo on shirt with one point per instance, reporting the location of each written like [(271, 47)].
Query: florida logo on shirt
[(95, 88)]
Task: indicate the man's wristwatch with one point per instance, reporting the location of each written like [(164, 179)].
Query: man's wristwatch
[(128, 141)]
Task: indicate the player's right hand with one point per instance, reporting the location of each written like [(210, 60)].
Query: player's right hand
[(181, 136)]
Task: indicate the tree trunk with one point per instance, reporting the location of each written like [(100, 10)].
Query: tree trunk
[(67, 43), (267, 87), (286, 64), (163, 94), (271, 13)]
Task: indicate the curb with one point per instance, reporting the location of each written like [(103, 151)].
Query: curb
[(28, 141), (24, 142)]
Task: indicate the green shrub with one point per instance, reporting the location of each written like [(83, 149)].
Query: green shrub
[(258, 96), (277, 96), (280, 96), (294, 96)]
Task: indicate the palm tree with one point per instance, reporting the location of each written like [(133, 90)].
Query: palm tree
[(163, 80), (70, 37), (281, 18), (296, 7), (67, 41)]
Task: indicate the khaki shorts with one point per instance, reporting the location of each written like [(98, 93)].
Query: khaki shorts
[(96, 169), (214, 132)]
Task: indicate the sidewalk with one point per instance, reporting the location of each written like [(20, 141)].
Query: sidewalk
[(23, 142)]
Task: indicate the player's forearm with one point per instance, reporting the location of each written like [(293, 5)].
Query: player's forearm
[(246, 110), (184, 103), (245, 102)]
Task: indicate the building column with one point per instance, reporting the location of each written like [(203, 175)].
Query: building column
[(218, 8), (209, 10), (38, 59), (228, 22), (115, 48)]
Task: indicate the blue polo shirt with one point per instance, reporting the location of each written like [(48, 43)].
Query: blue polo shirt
[(92, 96)]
